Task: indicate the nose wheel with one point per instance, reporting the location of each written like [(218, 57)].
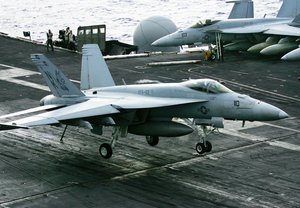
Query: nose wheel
[(202, 147)]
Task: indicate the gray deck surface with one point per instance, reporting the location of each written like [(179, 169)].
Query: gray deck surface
[(254, 166)]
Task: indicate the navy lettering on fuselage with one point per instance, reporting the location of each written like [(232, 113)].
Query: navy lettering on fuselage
[(236, 103), (145, 92)]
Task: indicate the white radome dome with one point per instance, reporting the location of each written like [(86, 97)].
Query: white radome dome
[(151, 29)]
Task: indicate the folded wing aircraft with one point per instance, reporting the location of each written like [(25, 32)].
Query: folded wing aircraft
[(268, 36), (148, 109)]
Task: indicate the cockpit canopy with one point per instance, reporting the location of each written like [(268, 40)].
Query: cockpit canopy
[(207, 86), (203, 23)]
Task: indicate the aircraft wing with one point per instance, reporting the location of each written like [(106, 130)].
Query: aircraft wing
[(129, 101), (76, 111), (280, 29), (95, 107), (285, 30), (243, 30)]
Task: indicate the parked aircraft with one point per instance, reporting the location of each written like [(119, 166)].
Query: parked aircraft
[(268, 36), (147, 109)]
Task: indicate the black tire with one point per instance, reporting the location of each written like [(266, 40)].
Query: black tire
[(105, 150), (152, 140), (200, 148), (208, 147)]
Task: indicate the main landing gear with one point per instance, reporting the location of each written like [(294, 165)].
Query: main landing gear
[(152, 140), (105, 149)]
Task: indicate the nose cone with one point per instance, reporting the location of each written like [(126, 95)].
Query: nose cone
[(283, 114), (173, 39), (266, 112)]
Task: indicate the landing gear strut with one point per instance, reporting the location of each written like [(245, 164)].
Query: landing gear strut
[(63, 134), (203, 131), (105, 149), (204, 146)]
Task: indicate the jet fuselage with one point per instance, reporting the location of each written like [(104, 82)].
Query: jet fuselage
[(204, 32), (215, 100)]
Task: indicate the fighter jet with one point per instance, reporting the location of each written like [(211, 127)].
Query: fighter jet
[(151, 110), (268, 36)]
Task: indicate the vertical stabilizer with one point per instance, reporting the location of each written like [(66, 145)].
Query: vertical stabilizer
[(289, 8), (241, 9), (58, 83), (94, 71)]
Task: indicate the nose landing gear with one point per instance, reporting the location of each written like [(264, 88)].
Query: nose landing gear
[(203, 147)]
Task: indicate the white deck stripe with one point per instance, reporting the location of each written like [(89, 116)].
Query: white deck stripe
[(16, 72), (27, 84), (243, 199), (12, 72), (284, 145), (254, 138)]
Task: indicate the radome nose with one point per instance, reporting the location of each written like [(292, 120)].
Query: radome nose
[(164, 41), (282, 114), (268, 112)]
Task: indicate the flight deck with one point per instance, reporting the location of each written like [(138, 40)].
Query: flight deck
[(257, 165)]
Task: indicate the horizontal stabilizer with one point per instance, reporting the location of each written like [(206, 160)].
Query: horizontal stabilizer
[(31, 110), (4, 127)]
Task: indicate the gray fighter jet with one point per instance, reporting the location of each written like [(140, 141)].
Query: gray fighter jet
[(147, 109), (268, 36)]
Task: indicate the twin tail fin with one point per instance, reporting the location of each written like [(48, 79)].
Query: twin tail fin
[(58, 83)]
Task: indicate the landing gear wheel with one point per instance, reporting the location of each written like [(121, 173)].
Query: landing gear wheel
[(208, 146), (105, 150), (152, 140), (200, 148)]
